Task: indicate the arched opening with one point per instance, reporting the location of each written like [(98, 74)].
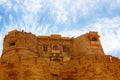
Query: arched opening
[(56, 60)]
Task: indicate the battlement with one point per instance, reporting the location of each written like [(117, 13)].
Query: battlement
[(20, 40), (54, 36)]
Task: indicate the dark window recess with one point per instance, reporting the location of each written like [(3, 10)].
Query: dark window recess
[(55, 47), (56, 60), (94, 39), (12, 44), (45, 48), (65, 49), (55, 77)]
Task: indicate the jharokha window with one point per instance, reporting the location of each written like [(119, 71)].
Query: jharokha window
[(55, 47), (94, 39), (45, 48)]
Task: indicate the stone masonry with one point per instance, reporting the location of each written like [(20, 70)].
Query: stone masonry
[(29, 57)]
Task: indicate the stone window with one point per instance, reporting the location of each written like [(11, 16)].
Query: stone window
[(55, 47), (12, 44), (65, 49), (94, 39), (45, 48)]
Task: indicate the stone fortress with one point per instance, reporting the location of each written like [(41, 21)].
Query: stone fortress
[(29, 57)]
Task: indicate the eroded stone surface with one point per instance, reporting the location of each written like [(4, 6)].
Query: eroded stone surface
[(29, 57)]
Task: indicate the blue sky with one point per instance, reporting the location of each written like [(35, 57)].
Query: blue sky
[(66, 17)]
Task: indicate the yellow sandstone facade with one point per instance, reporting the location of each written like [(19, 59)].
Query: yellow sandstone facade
[(52, 48), (29, 57)]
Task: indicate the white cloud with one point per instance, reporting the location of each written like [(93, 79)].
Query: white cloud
[(32, 6), (115, 4), (0, 18), (58, 10), (118, 1), (61, 10), (6, 3), (1, 43), (64, 9)]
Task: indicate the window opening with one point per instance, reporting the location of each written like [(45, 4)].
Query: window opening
[(94, 39), (56, 60), (65, 49), (55, 47), (12, 44), (45, 48)]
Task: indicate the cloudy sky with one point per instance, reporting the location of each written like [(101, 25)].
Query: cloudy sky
[(66, 17)]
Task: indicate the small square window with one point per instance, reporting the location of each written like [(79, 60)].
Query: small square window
[(65, 49), (12, 44)]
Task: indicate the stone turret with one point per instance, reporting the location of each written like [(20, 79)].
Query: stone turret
[(20, 43), (88, 43)]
